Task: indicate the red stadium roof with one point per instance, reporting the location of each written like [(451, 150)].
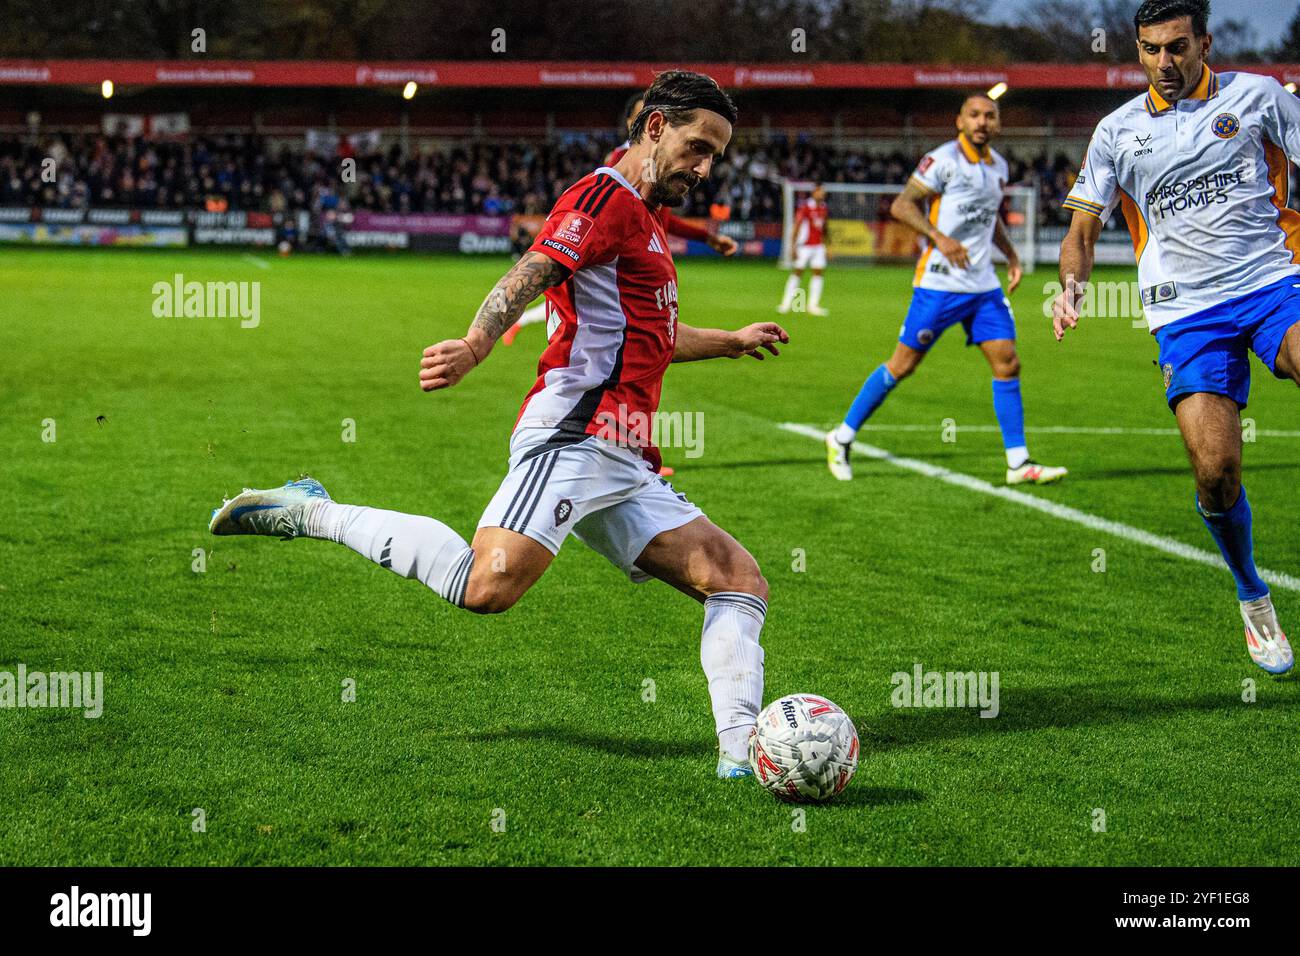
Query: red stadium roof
[(494, 73)]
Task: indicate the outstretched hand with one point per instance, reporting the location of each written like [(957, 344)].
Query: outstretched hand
[(724, 245), (752, 339)]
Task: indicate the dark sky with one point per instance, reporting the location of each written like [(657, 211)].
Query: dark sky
[(1266, 14)]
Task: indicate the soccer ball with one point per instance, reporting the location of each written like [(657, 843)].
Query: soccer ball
[(804, 750)]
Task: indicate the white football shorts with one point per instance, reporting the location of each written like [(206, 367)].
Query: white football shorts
[(810, 257), (600, 492)]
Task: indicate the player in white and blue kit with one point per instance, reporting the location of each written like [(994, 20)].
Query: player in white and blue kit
[(1199, 163), (953, 200)]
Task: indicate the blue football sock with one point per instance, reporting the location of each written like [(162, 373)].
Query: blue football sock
[(1010, 411), (878, 384), (1231, 532)]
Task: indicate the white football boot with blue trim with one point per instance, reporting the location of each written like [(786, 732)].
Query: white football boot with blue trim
[(278, 512), (1265, 641), (730, 768)]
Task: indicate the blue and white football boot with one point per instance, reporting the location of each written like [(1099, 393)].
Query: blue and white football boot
[(278, 512), (1265, 641), (730, 769)]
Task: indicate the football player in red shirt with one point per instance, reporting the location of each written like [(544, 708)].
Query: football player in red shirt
[(809, 250), (581, 456)]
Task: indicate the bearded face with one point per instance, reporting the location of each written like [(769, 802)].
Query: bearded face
[(682, 156), (670, 188)]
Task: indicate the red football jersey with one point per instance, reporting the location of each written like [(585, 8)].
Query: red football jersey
[(810, 223), (612, 324)]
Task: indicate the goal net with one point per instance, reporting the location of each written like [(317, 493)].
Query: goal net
[(861, 231)]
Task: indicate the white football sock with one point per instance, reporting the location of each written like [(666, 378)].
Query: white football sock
[(732, 659), (410, 545), (815, 291), (734, 742), (791, 287), (845, 434), (534, 315), (1017, 456)]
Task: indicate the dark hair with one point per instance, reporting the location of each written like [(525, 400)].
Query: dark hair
[(678, 94), (1162, 11), (636, 97), (976, 95)]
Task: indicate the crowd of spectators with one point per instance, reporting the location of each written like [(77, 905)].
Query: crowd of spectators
[(491, 178)]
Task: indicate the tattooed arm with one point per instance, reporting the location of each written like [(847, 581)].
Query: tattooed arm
[(446, 363)]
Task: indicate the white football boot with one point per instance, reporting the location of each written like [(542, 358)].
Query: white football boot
[(837, 458), (817, 310), (278, 512), (1265, 641), (730, 768), (1032, 473)]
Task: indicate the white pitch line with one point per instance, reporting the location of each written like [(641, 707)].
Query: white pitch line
[(1065, 430), (1064, 512), (260, 263)]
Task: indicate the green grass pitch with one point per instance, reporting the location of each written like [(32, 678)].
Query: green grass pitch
[(1121, 691)]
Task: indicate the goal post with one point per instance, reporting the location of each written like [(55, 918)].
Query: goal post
[(861, 231)]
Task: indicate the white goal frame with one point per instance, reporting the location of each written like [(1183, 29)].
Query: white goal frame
[(1026, 239)]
